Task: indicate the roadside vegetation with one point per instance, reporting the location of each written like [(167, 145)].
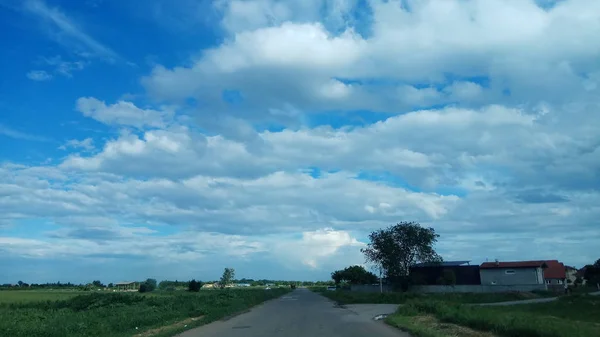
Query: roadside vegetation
[(122, 314), (574, 316), (351, 297)]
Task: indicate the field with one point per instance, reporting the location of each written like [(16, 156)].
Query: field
[(23, 296), (573, 316), (348, 297), (99, 314)]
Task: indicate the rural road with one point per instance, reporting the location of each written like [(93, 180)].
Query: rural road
[(303, 313)]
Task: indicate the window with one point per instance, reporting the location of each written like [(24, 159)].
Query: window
[(548, 282), (509, 272), (560, 281)]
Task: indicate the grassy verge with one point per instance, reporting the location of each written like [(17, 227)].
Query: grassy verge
[(349, 297), (429, 326), (119, 314), (576, 316)]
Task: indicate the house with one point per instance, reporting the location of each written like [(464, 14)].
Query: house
[(210, 285), (571, 274), (512, 273), (433, 273), (126, 286), (555, 274)]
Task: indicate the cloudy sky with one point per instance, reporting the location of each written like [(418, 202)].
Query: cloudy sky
[(171, 139)]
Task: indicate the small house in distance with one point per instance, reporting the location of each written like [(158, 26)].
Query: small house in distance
[(513, 273), (434, 273), (126, 286)]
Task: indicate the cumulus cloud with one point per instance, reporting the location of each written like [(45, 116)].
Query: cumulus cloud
[(121, 113), (478, 118)]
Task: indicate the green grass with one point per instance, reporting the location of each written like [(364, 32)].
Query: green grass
[(429, 326), (349, 297), (22, 296), (118, 314), (576, 316)]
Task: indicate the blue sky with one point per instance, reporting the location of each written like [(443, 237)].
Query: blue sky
[(179, 138)]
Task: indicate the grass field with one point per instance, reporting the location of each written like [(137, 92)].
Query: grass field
[(120, 314), (573, 316), (23, 296), (348, 297)]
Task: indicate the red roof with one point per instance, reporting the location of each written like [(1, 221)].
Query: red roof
[(512, 264), (555, 270)]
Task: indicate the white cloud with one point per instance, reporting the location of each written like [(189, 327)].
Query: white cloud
[(490, 135), (67, 28), (39, 75), (86, 144), (121, 113), (64, 68), (12, 133)]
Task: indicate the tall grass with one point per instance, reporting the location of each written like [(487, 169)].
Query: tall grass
[(118, 314), (509, 321)]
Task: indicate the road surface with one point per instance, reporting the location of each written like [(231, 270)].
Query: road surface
[(303, 313)]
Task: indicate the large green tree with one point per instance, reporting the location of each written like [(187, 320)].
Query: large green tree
[(354, 275), (227, 278), (592, 273), (396, 248)]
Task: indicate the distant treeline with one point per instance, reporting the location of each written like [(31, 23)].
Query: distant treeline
[(163, 285)]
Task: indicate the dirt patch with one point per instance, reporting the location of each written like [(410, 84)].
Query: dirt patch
[(431, 323), (156, 331)]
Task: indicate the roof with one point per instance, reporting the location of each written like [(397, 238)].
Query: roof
[(555, 270), (514, 264), (441, 264)]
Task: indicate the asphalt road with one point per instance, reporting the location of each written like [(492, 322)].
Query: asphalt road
[(303, 313)]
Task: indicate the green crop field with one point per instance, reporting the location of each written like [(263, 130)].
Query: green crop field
[(21, 296), (119, 314)]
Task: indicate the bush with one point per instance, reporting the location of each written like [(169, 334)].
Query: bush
[(194, 286), (143, 288)]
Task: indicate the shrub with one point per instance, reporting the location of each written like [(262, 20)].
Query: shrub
[(194, 286)]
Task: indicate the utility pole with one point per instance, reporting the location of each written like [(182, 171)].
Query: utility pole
[(380, 281)]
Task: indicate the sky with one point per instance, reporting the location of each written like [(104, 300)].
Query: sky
[(171, 139)]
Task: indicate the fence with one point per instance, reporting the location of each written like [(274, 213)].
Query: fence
[(478, 288)]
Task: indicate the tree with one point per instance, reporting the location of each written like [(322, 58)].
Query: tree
[(110, 285), (143, 288), (354, 275), (98, 284), (228, 276), (150, 284), (194, 286), (592, 273), (398, 247), (20, 283)]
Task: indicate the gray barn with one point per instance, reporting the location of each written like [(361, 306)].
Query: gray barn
[(512, 273)]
